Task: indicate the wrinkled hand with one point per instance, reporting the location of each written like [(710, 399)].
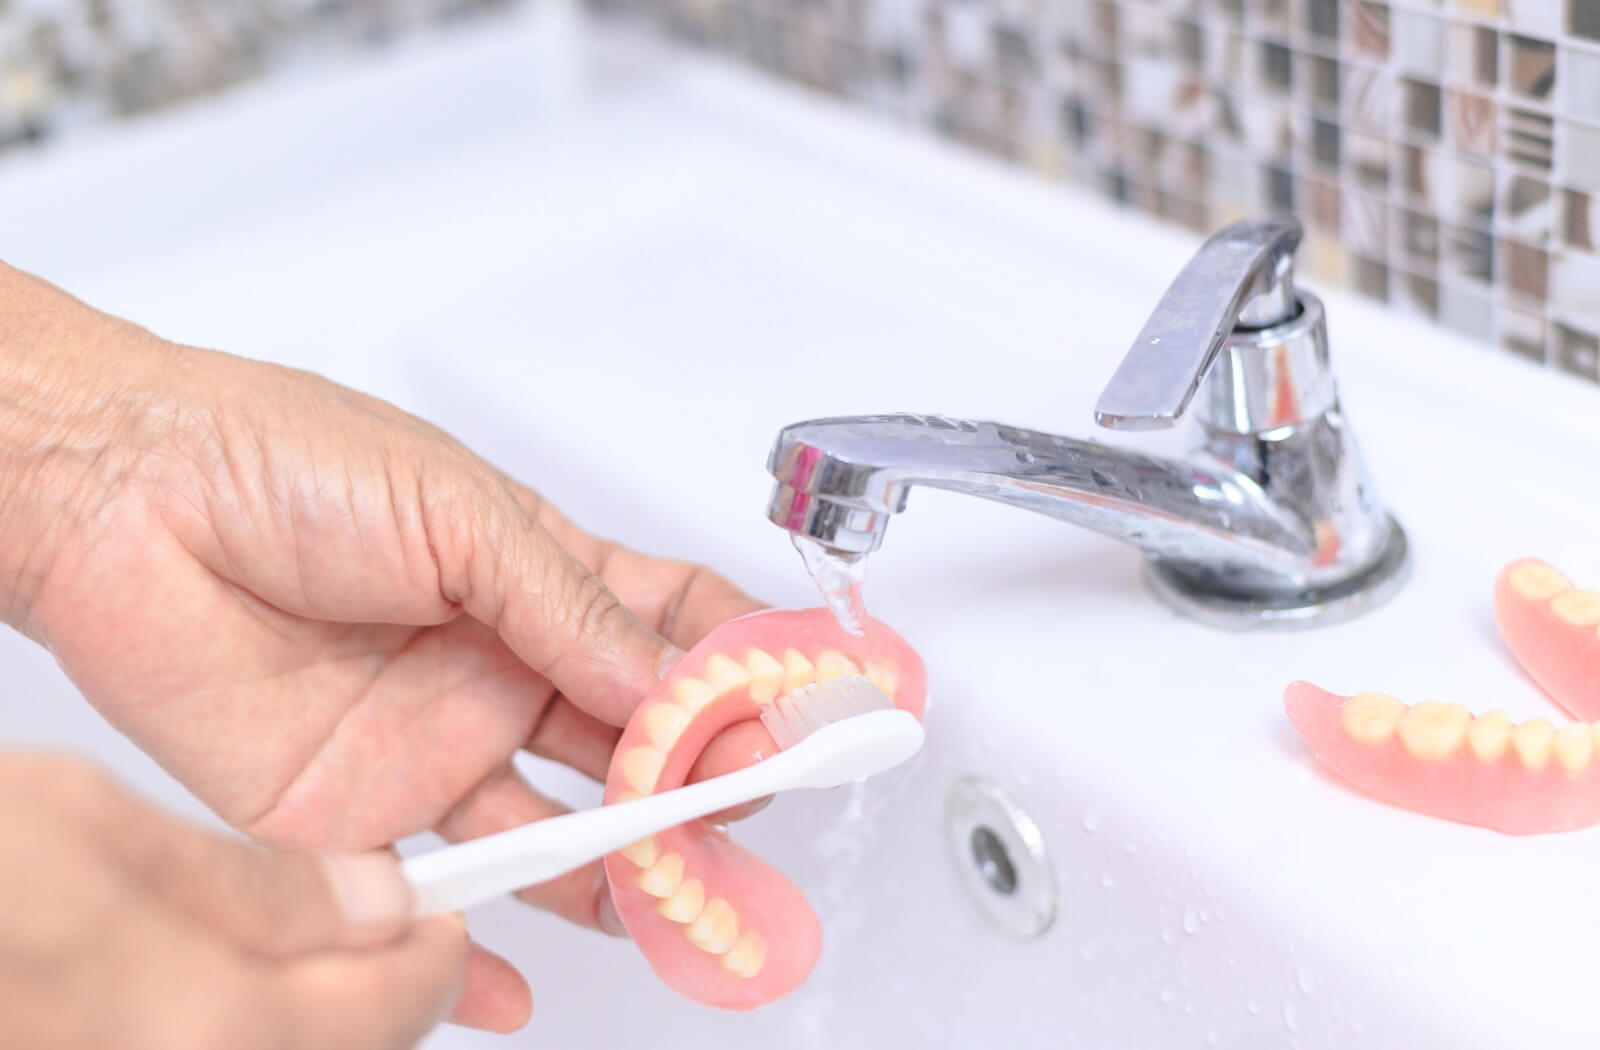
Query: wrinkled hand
[(328, 619), (122, 927)]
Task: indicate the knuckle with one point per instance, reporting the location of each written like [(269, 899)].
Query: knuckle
[(590, 606)]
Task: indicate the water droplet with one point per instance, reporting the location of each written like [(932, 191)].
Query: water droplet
[(1086, 952), (1191, 924), (1166, 935), (1288, 1017), (1188, 1007), (1205, 917), (1106, 880), (1254, 1007), (1303, 980), (1130, 848), (1091, 822), (1211, 1037), (1168, 997)]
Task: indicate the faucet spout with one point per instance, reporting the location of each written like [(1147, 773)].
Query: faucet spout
[(838, 480), (1269, 520)]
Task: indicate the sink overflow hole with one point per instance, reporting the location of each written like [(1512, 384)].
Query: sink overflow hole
[(989, 853)]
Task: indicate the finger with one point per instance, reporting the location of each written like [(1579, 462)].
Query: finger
[(494, 996), (507, 571), (680, 600), (740, 745), (506, 801), (573, 737), (380, 998), (274, 905)]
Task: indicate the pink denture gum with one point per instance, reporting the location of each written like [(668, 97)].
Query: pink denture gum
[(1554, 632), (714, 922), (1436, 758)]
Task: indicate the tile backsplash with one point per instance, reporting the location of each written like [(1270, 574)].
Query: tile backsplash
[(1444, 154), (65, 63)]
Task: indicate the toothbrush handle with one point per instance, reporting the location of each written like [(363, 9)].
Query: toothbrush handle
[(459, 876)]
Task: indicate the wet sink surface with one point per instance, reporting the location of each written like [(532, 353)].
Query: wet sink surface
[(621, 292)]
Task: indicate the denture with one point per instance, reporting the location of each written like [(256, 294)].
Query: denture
[(1553, 629), (714, 922), (1436, 758)]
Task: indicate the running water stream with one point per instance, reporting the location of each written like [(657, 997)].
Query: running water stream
[(838, 577)]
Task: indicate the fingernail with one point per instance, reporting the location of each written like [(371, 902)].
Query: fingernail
[(610, 921), (368, 887), (459, 919), (668, 658)]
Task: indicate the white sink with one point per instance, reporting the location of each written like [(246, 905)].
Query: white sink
[(621, 291)]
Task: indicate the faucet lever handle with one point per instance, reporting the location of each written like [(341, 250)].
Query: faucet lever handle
[(1241, 277)]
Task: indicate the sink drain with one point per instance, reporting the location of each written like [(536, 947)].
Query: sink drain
[(999, 855)]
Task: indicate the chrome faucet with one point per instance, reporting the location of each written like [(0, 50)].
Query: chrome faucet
[(1269, 520)]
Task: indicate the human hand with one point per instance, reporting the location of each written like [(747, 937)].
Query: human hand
[(327, 618), (122, 927)]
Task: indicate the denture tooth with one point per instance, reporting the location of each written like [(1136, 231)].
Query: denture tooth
[(747, 956), (693, 693), (1579, 608), (662, 878), (641, 766), (644, 853), (766, 675), (1432, 730), (831, 663), (1537, 581), (797, 670), (715, 928), (1574, 746), (725, 673), (663, 725), (685, 902), (1489, 735), (1532, 741), (1370, 717), (884, 677)]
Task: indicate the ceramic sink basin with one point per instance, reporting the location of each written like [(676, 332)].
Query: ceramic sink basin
[(617, 271)]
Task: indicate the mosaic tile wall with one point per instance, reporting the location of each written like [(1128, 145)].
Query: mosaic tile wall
[(65, 63), (1444, 154)]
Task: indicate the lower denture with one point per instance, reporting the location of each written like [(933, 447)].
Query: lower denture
[(1437, 759)]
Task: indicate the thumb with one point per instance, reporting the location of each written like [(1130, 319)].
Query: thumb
[(555, 614), (380, 999), (273, 905)]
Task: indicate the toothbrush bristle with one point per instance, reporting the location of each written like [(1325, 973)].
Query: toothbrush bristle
[(795, 716)]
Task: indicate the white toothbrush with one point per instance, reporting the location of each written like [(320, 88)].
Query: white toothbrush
[(831, 733)]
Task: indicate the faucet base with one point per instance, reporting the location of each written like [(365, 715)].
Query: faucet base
[(1314, 608)]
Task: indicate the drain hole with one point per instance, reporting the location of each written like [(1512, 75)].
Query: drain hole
[(994, 863)]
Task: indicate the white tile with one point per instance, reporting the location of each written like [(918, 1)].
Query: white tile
[(1418, 44), (1542, 17), (1578, 81), (1575, 282), (1579, 151)]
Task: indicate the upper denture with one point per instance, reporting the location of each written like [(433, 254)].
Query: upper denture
[(714, 922)]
